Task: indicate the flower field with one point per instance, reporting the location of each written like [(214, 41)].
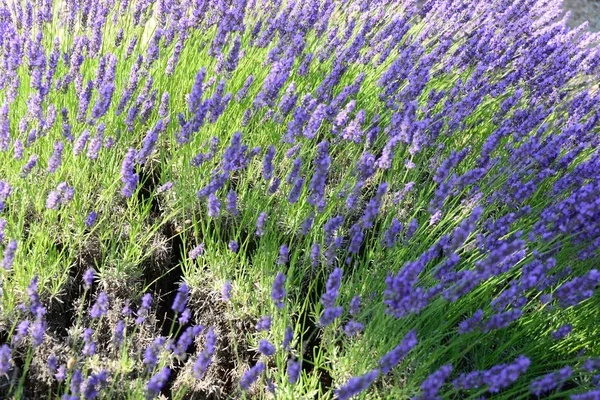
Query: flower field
[(317, 199)]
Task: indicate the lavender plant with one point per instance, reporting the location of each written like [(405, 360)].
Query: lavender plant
[(319, 199)]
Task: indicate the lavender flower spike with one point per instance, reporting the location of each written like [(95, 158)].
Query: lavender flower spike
[(128, 176), (392, 358), (157, 382), (356, 385), (5, 359), (9, 254), (251, 375)]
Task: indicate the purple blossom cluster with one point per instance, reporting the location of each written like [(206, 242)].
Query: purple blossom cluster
[(90, 384), (496, 378), (62, 195)]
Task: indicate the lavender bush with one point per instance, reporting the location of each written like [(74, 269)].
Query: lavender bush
[(299, 199)]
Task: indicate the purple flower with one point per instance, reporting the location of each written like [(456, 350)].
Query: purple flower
[(31, 163), (163, 110), (353, 197), (496, 378), (144, 309), (82, 140), (241, 94), (66, 127), (21, 331), (233, 56), (353, 131), (89, 347), (149, 142), (356, 385), (357, 235), (317, 184), (292, 151), (185, 340), (119, 332), (293, 370), (329, 315), (233, 246), (88, 278), (56, 157), (94, 384), (128, 176), (294, 195), (151, 353), (126, 310), (251, 375), (341, 119), (592, 364), (330, 227), (577, 289), (5, 191), (413, 225), (471, 323), (4, 127), (260, 224), (96, 143), (267, 171), (34, 298), (274, 186), (164, 188), (315, 254), (352, 328), (332, 288), (284, 254), (266, 348), (100, 308), (355, 305), (196, 251), (61, 373), (38, 329), (304, 66), (296, 166), (226, 291), (62, 195), (391, 235), (181, 299), (278, 291), (288, 336), (214, 206), (373, 207), (109, 142), (9, 254), (186, 314), (5, 359), (397, 354), (201, 365), (232, 203), (315, 121), (307, 224), (76, 381), (264, 323), (562, 332), (157, 382), (90, 220), (501, 320), (591, 395), (431, 386), (84, 102), (52, 363), (550, 381)]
